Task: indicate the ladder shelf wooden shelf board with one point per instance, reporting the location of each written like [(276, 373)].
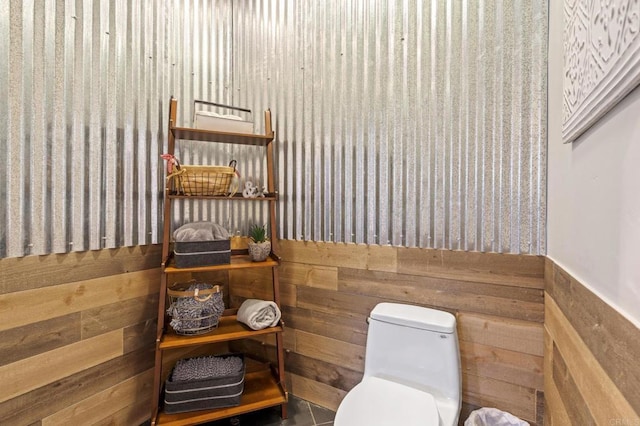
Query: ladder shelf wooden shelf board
[(264, 386), (228, 329), (238, 261), (221, 137), (236, 197), (261, 390)]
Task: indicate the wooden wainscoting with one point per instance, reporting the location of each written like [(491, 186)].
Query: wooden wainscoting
[(592, 371), (77, 337), (329, 289)]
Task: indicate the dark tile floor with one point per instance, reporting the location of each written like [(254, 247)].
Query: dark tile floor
[(300, 413)]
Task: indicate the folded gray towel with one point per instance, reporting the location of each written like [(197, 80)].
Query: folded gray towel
[(259, 314), (200, 231)]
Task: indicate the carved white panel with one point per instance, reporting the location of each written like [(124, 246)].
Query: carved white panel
[(601, 59)]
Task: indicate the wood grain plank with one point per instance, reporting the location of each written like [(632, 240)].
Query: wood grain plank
[(446, 294), (556, 412), (117, 315), (506, 333), (330, 350), (39, 337), (315, 392), (103, 405), (382, 258), (505, 269), (501, 364), (40, 370), (540, 407), (569, 392), (26, 307), (358, 279), (31, 272), (37, 404), (255, 349), (336, 376), (139, 336), (255, 284), (486, 392), (612, 339), (337, 303), (324, 254), (548, 272), (135, 414), (266, 342), (349, 330), (600, 393), (359, 256), (309, 275)]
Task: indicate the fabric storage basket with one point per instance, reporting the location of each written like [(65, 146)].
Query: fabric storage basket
[(194, 308), (201, 244), (203, 383), (190, 254)]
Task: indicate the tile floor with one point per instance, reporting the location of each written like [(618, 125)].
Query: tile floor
[(300, 413)]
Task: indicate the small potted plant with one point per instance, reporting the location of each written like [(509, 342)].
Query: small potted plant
[(259, 245)]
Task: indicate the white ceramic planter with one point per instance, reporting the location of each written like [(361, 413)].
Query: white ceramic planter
[(258, 252)]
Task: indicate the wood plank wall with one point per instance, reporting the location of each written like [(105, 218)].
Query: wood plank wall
[(76, 331), (77, 337), (592, 373), (328, 290)]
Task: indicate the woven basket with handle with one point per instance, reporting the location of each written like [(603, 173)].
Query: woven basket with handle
[(202, 180)]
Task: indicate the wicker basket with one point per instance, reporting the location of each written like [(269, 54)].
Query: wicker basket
[(202, 180), (195, 307)]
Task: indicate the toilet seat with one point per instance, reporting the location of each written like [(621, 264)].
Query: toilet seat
[(379, 402)]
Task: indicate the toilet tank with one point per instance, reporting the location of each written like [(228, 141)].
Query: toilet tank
[(415, 346)]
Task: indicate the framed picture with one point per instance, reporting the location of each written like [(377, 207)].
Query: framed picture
[(601, 59)]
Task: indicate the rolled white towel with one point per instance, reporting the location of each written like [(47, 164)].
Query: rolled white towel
[(259, 314)]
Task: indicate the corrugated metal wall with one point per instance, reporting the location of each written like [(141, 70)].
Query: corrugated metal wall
[(88, 85), (398, 122), (403, 122)]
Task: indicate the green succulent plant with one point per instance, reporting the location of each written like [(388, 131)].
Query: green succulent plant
[(258, 233)]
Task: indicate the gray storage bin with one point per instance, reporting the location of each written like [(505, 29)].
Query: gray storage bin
[(202, 253), (201, 244), (215, 391)]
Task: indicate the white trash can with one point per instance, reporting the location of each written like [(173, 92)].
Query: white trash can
[(493, 417)]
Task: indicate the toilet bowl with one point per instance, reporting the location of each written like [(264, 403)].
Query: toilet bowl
[(412, 370)]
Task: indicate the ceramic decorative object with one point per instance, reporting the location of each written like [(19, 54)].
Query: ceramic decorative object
[(259, 245), (258, 252)]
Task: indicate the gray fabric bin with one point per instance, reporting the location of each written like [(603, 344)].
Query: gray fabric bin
[(206, 393), (190, 254)]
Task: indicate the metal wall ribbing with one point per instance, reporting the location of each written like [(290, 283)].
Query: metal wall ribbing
[(397, 122), (405, 122)]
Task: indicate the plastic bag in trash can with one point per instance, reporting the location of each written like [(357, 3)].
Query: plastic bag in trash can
[(493, 417)]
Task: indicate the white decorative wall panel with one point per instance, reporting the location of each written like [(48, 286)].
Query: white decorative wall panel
[(397, 122), (601, 59)]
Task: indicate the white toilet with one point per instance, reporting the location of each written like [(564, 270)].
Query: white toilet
[(411, 370)]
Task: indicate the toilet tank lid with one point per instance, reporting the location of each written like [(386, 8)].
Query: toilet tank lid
[(414, 316)]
